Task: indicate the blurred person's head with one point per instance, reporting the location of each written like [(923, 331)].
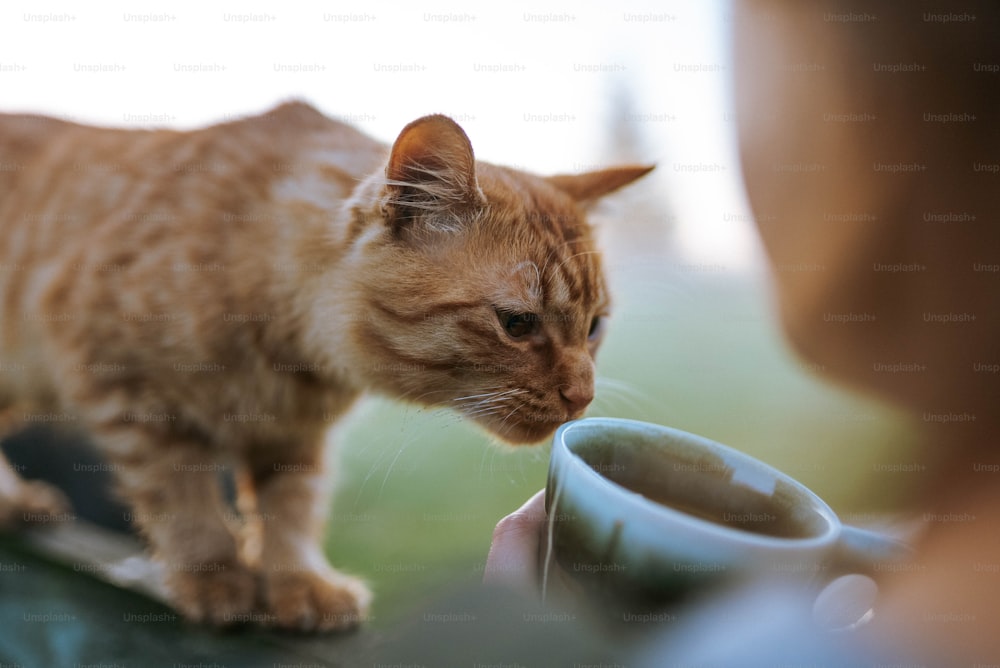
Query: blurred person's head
[(871, 154), (870, 148)]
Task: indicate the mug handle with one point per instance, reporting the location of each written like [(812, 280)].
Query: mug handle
[(847, 602), (859, 550)]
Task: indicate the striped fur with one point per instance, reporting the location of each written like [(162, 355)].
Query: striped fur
[(215, 299)]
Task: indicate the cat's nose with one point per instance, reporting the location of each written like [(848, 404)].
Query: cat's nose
[(576, 398)]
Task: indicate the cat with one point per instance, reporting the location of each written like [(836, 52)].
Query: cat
[(211, 301)]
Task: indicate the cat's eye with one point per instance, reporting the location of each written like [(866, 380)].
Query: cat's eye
[(595, 327), (518, 325)]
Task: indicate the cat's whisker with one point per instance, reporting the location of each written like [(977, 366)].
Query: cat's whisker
[(493, 405), (443, 415), (611, 388), (377, 464), (506, 454), (486, 412), (496, 399), (452, 415), (616, 385), (475, 405), (554, 251), (576, 255), (509, 415), (368, 476), (416, 398), (482, 460), (406, 444), (488, 402), (482, 412), (488, 395), (482, 402)]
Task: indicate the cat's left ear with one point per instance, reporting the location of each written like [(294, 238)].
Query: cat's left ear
[(591, 186), (431, 170)]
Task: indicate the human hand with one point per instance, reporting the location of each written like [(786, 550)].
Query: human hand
[(515, 552)]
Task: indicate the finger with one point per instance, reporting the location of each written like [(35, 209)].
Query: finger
[(513, 557)]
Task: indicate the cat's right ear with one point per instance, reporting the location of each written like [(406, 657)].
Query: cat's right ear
[(431, 170), (591, 186)]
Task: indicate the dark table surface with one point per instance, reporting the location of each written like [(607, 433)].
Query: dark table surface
[(56, 613)]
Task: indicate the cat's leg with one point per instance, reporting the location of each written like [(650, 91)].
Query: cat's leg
[(29, 501), (301, 589), (175, 495), (25, 501)]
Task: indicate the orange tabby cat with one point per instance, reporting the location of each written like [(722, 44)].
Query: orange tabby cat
[(216, 298)]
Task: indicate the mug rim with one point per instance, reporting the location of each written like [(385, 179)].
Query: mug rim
[(644, 506)]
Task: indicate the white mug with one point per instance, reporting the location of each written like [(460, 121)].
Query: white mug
[(646, 513)]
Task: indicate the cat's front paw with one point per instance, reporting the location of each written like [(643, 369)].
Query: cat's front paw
[(223, 594), (315, 601), (34, 502)]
